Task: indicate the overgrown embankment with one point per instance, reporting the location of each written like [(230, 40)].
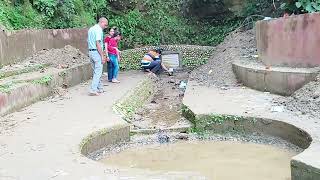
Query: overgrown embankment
[(142, 22)]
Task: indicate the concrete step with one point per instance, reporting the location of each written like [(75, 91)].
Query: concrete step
[(22, 90), (20, 68), (29, 76), (278, 80)]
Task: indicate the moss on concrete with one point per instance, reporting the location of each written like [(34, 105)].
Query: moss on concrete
[(188, 114), (45, 80), (104, 137), (135, 99), (216, 122), (28, 69)]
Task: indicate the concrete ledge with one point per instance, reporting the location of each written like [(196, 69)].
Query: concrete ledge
[(104, 138), (277, 80), (135, 99), (124, 107), (29, 92), (247, 124), (167, 130)]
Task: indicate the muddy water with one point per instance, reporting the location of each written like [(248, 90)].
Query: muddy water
[(215, 160)]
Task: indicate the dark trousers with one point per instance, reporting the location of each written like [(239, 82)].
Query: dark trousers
[(154, 66), (110, 71)]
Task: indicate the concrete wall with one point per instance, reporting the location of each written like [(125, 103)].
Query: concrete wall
[(104, 138), (17, 45), (293, 41)]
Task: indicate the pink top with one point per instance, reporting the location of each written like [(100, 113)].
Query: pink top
[(107, 39), (112, 44)]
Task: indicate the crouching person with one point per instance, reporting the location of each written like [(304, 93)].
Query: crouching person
[(151, 62)]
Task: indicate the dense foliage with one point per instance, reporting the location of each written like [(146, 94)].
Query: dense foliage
[(301, 6), (149, 22), (143, 22)]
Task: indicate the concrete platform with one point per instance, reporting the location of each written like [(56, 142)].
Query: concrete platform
[(46, 142), (278, 80), (49, 137), (252, 111)]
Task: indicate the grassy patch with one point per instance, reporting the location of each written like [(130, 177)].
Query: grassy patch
[(216, 123), (6, 88), (22, 71), (45, 80)]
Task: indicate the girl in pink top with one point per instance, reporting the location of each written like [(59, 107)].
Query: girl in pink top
[(114, 56), (106, 42)]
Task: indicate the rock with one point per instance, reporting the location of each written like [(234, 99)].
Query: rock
[(137, 117), (182, 85), (277, 109), (141, 124), (163, 138), (182, 136), (172, 81), (181, 94)]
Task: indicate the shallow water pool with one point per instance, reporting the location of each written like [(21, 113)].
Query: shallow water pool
[(216, 160)]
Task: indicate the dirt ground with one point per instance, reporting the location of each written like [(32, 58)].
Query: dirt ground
[(164, 110), (218, 71)]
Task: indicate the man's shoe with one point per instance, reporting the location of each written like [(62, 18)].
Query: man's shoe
[(94, 94), (101, 91), (115, 81)]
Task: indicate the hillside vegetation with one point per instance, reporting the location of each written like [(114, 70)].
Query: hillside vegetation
[(143, 22)]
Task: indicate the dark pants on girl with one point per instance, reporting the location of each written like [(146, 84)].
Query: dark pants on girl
[(154, 66)]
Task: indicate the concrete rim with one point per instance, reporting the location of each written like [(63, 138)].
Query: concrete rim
[(247, 124)]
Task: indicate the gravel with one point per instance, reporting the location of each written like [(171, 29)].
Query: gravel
[(306, 100), (218, 71)]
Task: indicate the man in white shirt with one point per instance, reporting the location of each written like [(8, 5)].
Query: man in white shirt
[(96, 54)]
